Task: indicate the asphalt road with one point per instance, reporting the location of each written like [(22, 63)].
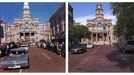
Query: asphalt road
[(42, 60), (104, 58)]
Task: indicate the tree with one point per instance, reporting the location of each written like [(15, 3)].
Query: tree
[(76, 32), (124, 14)]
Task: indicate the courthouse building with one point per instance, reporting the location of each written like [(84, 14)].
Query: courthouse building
[(101, 29), (28, 29)]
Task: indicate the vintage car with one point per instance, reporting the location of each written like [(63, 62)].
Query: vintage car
[(16, 58)]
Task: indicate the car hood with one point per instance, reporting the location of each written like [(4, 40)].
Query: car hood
[(76, 48), (14, 59)]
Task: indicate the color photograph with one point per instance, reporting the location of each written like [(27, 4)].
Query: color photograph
[(101, 37), (32, 37)]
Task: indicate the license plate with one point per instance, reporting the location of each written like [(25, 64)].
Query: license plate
[(16, 66)]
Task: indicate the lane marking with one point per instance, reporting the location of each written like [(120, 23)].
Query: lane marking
[(20, 71), (46, 56)]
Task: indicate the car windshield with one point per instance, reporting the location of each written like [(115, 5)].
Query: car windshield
[(130, 42), (78, 46), (16, 53)]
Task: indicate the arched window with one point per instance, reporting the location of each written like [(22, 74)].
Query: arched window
[(98, 27)]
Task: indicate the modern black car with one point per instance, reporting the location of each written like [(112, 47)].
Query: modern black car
[(79, 48)]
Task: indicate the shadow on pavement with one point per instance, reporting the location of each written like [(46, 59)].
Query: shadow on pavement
[(125, 61)]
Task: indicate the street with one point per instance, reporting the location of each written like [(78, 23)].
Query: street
[(42, 60), (105, 58)]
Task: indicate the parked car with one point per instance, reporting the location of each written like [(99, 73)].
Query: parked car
[(17, 58), (126, 44), (79, 48), (90, 45)]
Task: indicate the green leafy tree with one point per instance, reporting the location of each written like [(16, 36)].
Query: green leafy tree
[(124, 13), (76, 32)]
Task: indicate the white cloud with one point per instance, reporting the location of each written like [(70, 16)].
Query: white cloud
[(84, 19), (113, 18)]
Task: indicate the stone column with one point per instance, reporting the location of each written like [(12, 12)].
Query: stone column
[(91, 37), (108, 38), (96, 38), (103, 38), (30, 36)]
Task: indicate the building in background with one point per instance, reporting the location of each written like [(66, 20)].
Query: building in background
[(6, 33), (70, 14), (26, 28), (101, 29), (57, 24), (46, 32)]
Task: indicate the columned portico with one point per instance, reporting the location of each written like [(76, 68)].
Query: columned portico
[(100, 28), (27, 36), (99, 38)]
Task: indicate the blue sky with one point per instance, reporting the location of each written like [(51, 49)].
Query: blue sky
[(87, 10), (10, 11)]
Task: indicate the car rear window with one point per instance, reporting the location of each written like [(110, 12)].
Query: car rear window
[(130, 42)]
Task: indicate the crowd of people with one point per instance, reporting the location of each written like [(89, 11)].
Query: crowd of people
[(56, 47), (5, 47)]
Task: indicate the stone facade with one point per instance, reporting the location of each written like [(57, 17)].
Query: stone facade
[(101, 29), (28, 29), (57, 23), (70, 14)]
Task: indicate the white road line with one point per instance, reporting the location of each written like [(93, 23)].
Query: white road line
[(46, 55), (20, 71)]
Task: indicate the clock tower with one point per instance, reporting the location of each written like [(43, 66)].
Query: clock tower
[(26, 10)]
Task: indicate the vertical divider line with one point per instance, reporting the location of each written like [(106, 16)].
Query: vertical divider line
[(66, 63)]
